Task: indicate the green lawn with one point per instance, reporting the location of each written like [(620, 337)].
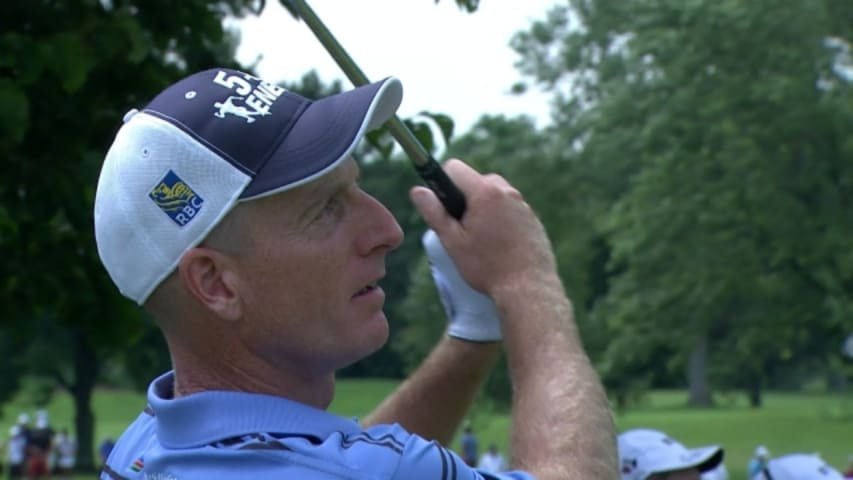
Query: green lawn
[(787, 423)]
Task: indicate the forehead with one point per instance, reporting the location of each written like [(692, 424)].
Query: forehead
[(303, 196), (346, 172)]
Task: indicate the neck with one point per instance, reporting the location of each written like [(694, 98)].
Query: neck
[(195, 374)]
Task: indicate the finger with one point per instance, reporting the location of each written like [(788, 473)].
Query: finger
[(431, 209), (462, 174)]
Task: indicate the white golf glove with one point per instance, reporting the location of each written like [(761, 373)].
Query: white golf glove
[(471, 315)]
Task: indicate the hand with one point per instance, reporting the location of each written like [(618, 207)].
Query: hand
[(471, 315), (500, 243)]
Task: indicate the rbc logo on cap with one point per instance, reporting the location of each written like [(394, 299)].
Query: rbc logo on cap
[(176, 198)]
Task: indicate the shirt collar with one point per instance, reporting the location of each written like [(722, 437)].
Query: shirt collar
[(206, 417)]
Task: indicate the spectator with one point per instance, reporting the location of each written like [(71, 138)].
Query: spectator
[(646, 454), (797, 466), (16, 450), (38, 447), (758, 462), (719, 473), (492, 461), (24, 425), (470, 448), (105, 449), (66, 453)]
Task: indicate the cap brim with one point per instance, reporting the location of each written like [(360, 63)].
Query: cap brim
[(702, 459), (711, 457), (324, 135)]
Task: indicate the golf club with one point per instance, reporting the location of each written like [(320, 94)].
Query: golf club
[(426, 166)]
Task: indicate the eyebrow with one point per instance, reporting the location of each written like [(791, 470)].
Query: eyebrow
[(317, 193)]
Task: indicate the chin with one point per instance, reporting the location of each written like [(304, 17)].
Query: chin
[(370, 338), (377, 335)]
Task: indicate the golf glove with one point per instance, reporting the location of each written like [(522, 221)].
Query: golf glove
[(471, 315)]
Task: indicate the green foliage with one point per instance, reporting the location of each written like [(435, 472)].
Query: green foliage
[(707, 142), (425, 317), (68, 72)]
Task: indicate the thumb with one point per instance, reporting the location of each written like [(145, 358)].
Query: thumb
[(430, 208)]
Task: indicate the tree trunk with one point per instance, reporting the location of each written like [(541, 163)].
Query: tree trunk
[(85, 375), (697, 375), (754, 391)]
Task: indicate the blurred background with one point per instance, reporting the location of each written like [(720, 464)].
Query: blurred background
[(692, 161)]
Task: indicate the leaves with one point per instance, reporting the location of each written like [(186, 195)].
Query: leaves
[(702, 141), (16, 113)]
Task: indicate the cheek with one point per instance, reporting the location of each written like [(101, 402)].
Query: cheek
[(301, 289)]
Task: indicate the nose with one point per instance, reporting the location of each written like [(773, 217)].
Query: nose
[(380, 229)]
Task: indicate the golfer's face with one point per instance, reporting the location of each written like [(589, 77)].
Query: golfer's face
[(318, 253)]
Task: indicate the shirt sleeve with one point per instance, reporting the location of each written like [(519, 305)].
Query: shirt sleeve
[(428, 460)]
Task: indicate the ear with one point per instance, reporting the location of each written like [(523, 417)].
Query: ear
[(212, 279)]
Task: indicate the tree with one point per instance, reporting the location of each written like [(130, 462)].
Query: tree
[(69, 71), (711, 135)]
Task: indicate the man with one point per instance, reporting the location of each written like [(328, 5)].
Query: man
[(797, 466), (230, 209), (16, 453), (719, 473), (492, 460), (758, 462), (105, 448), (646, 454), (39, 447), (66, 449), (469, 446)]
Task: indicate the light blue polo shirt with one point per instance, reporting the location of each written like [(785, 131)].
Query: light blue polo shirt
[(236, 435)]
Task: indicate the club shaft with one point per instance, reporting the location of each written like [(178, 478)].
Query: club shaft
[(426, 166)]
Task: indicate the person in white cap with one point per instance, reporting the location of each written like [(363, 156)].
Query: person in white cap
[(231, 210), (758, 461), (647, 454), (797, 466), (16, 453), (719, 473)]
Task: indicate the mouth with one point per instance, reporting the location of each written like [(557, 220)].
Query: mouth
[(367, 289)]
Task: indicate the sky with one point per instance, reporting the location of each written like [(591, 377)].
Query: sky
[(449, 61)]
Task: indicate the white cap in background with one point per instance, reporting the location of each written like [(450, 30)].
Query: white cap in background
[(798, 466), (644, 452)]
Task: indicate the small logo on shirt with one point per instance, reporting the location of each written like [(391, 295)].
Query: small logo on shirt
[(137, 465), (176, 199)]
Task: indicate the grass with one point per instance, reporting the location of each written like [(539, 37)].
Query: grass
[(788, 422)]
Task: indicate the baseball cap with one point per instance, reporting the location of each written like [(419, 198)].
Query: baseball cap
[(644, 452), (213, 139), (798, 466)]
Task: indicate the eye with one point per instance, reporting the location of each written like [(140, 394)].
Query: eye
[(330, 208)]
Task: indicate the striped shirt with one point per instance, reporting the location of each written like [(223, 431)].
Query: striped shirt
[(233, 435)]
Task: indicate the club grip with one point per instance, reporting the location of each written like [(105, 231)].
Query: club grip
[(438, 181)]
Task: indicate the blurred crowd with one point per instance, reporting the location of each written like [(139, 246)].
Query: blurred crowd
[(648, 454), (36, 450)]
